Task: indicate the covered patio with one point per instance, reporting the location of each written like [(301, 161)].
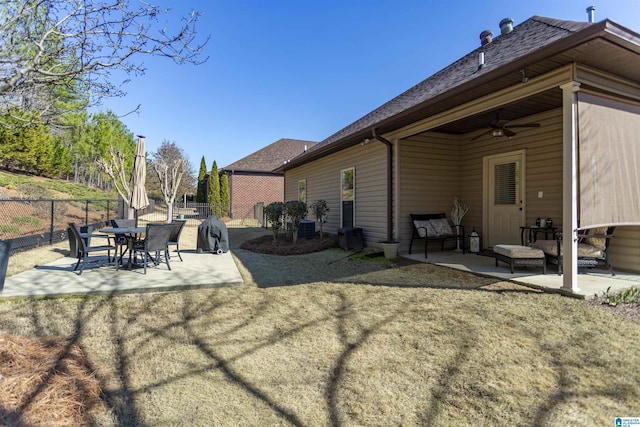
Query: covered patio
[(591, 282)]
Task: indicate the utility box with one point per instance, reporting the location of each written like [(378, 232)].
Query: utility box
[(350, 238), (306, 229)]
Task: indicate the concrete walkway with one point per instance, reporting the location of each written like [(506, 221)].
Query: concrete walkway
[(58, 279), (591, 282)]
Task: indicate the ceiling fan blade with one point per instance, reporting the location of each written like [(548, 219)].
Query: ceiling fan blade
[(508, 132), (524, 125), (499, 123), (479, 136)]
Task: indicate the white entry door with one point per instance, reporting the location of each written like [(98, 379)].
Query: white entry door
[(504, 198)]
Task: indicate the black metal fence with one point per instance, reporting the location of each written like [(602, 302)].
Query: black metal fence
[(29, 223)]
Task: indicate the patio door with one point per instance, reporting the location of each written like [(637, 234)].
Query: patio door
[(504, 198)]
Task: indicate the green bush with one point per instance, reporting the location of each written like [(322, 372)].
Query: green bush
[(295, 210), (320, 209), (273, 211)]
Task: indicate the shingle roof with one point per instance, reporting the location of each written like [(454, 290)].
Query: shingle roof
[(531, 35), (271, 156)]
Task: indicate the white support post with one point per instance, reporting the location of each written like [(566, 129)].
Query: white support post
[(570, 186)]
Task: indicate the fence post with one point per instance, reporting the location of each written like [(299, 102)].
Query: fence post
[(51, 224), (108, 212), (86, 212)]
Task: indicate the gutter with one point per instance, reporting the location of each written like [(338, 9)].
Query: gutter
[(389, 182)]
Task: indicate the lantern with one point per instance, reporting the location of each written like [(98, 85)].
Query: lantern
[(474, 242)]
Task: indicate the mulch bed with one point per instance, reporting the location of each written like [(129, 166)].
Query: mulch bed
[(285, 246)]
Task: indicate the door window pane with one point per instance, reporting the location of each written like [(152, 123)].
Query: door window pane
[(507, 183)]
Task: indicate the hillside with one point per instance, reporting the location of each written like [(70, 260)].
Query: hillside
[(23, 186)]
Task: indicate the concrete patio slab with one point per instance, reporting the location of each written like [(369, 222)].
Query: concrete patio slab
[(58, 278), (591, 282)]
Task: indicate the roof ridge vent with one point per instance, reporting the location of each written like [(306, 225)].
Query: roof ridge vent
[(485, 37), (506, 26)]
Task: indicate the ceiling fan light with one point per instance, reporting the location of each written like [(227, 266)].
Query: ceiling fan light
[(497, 133)]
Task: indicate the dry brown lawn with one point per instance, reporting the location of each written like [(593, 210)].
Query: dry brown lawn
[(329, 339)]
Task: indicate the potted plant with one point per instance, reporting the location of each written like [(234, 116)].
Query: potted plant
[(457, 213)]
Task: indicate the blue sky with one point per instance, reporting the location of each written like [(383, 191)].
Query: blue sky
[(305, 69)]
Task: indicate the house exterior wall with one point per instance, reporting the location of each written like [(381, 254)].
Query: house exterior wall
[(249, 189), (323, 182), (428, 179), (436, 168)]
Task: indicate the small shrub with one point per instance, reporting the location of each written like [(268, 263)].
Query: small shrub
[(274, 211), (295, 210), (320, 209)]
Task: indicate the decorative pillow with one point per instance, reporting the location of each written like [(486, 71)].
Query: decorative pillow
[(441, 226), (598, 242), (421, 226)]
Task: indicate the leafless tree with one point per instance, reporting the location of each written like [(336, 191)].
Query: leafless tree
[(170, 164), (52, 49), (119, 175)]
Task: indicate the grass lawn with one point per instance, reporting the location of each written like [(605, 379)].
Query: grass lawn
[(379, 344)]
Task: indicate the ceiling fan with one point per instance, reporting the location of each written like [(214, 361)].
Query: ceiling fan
[(499, 128)]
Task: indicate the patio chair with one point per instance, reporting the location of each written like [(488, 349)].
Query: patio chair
[(122, 239), (176, 231), (83, 250), (156, 241), (593, 248)]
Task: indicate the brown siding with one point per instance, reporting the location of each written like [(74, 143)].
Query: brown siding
[(249, 189), (323, 182), (543, 158), (428, 178)]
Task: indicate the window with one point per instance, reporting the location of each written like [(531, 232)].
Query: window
[(347, 194), (302, 190)]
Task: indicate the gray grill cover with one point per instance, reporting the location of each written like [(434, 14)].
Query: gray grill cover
[(213, 235)]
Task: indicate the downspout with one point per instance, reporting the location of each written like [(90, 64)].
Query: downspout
[(389, 182)]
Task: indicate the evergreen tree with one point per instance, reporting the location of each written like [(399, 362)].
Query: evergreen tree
[(201, 193), (225, 195), (214, 191)]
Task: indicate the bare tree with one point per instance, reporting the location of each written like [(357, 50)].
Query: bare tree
[(170, 164), (120, 176), (53, 47)]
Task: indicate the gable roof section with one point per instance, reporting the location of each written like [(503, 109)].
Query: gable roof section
[(525, 39), (270, 157)]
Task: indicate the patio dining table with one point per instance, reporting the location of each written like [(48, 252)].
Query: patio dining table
[(131, 234)]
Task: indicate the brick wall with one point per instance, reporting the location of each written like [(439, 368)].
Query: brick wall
[(249, 189)]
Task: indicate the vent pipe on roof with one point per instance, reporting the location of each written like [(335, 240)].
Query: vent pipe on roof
[(486, 37), (591, 11), (480, 60), (506, 26)]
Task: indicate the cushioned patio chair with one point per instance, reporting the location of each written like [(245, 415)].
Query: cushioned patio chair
[(593, 248), (174, 239), (78, 244), (156, 241)]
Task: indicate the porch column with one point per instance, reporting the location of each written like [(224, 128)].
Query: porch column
[(570, 186)]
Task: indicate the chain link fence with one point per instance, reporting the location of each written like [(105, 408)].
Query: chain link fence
[(29, 223)]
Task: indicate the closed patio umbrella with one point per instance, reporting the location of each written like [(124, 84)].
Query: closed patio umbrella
[(139, 199)]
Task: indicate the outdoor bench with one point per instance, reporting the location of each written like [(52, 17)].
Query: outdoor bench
[(435, 228)]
